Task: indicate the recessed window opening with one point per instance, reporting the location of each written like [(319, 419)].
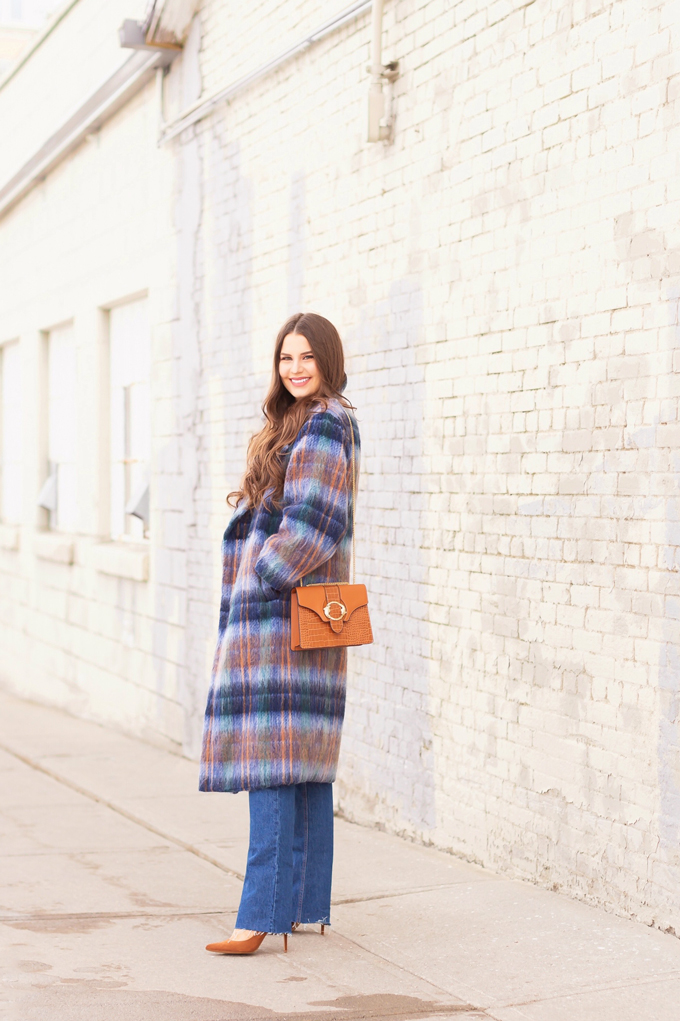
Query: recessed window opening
[(130, 365), (59, 495), (11, 434)]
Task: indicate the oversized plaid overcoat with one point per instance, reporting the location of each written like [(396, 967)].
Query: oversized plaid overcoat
[(274, 716)]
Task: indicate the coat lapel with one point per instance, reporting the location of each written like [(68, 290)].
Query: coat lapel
[(242, 512)]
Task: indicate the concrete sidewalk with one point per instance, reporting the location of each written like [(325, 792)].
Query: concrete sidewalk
[(116, 872)]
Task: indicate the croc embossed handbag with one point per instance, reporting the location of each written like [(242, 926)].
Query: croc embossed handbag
[(331, 613)]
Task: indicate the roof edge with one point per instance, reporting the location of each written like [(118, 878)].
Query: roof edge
[(102, 104)]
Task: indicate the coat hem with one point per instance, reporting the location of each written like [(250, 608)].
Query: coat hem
[(217, 788)]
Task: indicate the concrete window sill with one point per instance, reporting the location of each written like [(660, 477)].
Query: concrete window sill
[(9, 537), (53, 546), (122, 560)]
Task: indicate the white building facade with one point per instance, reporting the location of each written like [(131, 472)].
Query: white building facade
[(505, 273)]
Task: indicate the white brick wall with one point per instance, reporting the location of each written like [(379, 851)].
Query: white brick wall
[(506, 277)]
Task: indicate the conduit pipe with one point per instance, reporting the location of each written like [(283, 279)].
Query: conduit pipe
[(380, 73), (205, 106)]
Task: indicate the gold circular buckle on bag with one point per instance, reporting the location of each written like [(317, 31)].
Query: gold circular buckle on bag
[(334, 602)]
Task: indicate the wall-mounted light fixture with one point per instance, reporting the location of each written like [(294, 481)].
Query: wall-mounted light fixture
[(133, 35), (47, 497), (138, 504)]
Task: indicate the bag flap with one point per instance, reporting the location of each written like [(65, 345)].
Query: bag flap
[(313, 597)]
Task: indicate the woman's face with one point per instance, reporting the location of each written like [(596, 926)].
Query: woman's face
[(297, 367)]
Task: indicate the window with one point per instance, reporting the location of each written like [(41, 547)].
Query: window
[(130, 352), (60, 492), (11, 433), (28, 12)]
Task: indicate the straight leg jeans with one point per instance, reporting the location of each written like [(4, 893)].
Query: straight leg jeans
[(290, 858)]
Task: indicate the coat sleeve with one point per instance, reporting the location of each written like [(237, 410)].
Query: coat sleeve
[(315, 505)]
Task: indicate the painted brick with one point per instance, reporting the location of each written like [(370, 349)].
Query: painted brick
[(505, 278)]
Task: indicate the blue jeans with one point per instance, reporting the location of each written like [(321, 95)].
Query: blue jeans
[(290, 858)]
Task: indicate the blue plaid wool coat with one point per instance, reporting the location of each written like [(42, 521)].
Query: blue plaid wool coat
[(274, 716)]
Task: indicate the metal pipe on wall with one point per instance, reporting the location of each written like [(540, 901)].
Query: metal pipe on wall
[(376, 98), (378, 131), (203, 107)]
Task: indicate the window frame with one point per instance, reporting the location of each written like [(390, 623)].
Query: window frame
[(136, 483), (12, 344), (48, 498)]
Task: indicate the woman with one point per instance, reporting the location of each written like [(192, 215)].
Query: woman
[(274, 717)]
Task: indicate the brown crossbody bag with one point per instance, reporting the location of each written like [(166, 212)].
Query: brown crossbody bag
[(332, 613)]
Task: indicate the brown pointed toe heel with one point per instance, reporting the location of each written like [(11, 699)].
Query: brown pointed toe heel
[(323, 929), (237, 946)]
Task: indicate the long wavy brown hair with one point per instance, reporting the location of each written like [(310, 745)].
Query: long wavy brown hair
[(284, 415)]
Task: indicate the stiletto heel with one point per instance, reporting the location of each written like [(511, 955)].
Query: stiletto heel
[(296, 925), (285, 942)]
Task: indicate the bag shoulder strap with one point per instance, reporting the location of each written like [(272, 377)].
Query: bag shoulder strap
[(354, 496)]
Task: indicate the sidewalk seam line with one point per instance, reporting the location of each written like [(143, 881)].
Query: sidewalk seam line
[(396, 893), (400, 967), (642, 981), (98, 799), (191, 848), (121, 811), (46, 916)]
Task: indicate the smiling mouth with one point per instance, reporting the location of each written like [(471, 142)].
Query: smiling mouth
[(302, 381)]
